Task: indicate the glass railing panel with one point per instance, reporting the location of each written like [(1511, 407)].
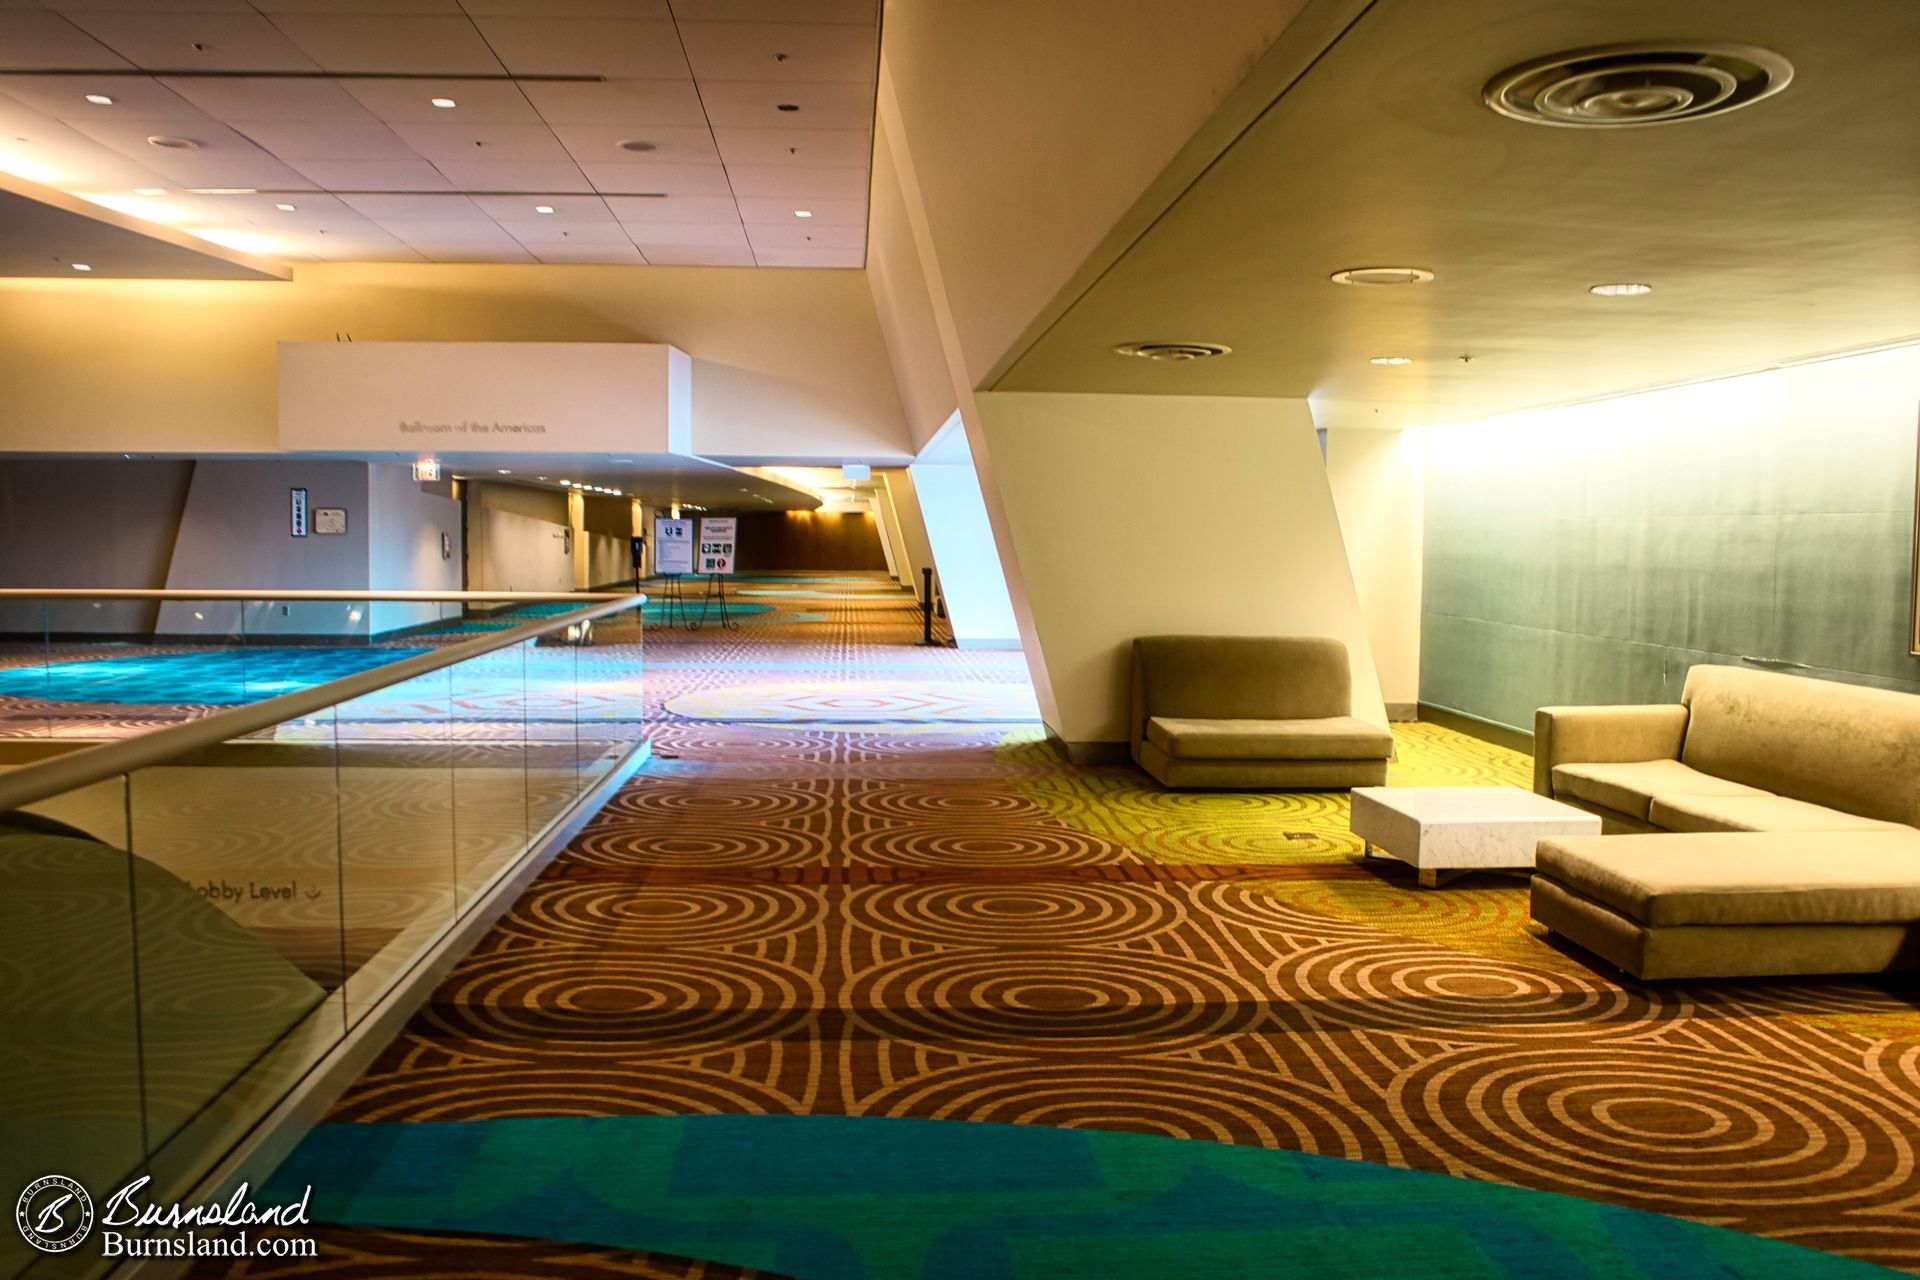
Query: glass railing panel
[(553, 765), (488, 751), (237, 911), (116, 668), (611, 714), (272, 887), (24, 710), (296, 644), (397, 825), (70, 1099)]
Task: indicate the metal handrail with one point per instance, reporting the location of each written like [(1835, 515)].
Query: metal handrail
[(83, 768), (377, 597)]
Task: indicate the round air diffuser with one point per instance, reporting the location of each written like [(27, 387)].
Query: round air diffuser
[(1622, 86), (1173, 350)]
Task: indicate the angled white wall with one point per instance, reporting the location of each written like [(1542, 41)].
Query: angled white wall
[(1152, 515), (966, 560)]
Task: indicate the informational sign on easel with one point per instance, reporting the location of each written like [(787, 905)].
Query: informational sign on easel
[(717, 538), (672, 546)]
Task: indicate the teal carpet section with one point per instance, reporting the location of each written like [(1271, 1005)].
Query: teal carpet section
[(840, 1198), (215, 678)]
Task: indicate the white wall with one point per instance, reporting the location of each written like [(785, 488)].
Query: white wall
[(968, 564), (1241, 538), (525, 554), (404, 551), (1379, 487), (911, 524), (609, 563), (787, 364)]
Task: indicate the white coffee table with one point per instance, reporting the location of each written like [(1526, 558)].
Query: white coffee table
[(1446, 831)]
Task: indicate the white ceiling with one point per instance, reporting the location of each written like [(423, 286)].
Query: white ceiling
[(337, 121), (1782, 230)]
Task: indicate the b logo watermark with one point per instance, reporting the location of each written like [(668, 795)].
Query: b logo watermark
[(54, 1213)]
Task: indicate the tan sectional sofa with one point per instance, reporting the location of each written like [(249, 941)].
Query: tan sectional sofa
[(1773, 828), (1250, 713)]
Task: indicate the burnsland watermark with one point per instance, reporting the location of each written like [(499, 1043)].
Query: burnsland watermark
[(54, 1215)]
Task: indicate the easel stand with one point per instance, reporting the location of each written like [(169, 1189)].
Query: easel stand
[(716, 595), (673, 602)]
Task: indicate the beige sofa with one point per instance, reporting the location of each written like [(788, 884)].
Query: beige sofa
[(1249, 713), (1772, 826)]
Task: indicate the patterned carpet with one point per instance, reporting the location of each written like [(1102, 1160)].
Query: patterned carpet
[(825, 910)]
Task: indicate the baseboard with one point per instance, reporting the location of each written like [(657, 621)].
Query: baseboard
[(1091, 752), (1500, 735), (274, 1137)]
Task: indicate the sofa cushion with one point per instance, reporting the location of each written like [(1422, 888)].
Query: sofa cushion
[(1740, 878), (1841, 745), (1630, 788), (1327, 738), (1258, 677), (1755, 813)]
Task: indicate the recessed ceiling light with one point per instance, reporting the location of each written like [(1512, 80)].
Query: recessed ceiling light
[(221, 191), (505, 472), (149, 191), (1391, 360), (543, 208), (99, 99), (803, 213), (1382, 275), (285, 208), (81, 266), (445, 104), (1621, 290)]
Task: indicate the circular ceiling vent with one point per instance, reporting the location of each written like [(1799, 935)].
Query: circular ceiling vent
[(1618, 86), (1173, 350), (172, 143), (635, 144)]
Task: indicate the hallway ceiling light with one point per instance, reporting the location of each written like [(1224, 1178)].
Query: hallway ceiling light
[(81, 266), (1173, 350), (543, 208), (99, 99), (445, 104), (1382, 275), (285, 208), (505, 472), (803, 213), (1620, 290), (1396, 360), (1633, 85), (222, 191)]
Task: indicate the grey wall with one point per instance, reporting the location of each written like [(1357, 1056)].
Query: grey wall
[(1595, 554), (219, 524), (237, 533), (404, 528), (70, 523)]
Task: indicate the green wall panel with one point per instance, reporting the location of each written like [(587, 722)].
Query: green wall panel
[(1595, 554)]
